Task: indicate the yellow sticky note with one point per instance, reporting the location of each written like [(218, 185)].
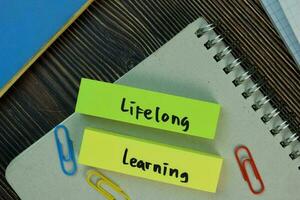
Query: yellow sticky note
[(148, 108), (150, 160)]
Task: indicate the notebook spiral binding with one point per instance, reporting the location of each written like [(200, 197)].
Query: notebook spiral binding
[(288, 119)]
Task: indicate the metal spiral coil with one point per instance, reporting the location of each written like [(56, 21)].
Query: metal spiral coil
[(231, 66), (294, 154), (209, 27), (245, 76), (287, 119), (275, 112), (219, 38), (226, 51), (289, 140), (250, 91), (279, 128), (292, 138), (285, 124), (263, 101)]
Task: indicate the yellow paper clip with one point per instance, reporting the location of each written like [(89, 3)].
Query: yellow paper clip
[(101, 179)]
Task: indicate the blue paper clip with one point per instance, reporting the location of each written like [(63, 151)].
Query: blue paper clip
[(70, 157)]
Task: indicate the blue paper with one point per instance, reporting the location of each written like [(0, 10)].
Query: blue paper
[(26, 26)]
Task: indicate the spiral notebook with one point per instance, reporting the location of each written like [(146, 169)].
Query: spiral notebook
[(185, 67)]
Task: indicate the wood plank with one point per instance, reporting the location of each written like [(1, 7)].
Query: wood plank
[(109, 39)]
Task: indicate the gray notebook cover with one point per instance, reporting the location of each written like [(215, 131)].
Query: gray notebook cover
[(182, 67), (283, 15)]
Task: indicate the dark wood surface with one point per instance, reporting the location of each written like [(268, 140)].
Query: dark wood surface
[(109, 39)]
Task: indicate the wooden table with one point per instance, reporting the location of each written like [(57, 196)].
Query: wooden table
[(108, 40)]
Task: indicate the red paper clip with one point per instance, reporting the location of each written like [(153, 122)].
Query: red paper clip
[(242, 164)]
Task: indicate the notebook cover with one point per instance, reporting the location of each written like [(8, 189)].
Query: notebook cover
[(277, 14), (27, 29), (290, 9), (181, 67)]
